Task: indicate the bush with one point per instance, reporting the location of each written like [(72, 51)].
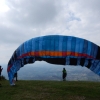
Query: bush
[(3, 77)]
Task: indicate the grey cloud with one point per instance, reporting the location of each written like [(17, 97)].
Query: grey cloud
[(86, 9), (33, 12), (11, 35), (27, 19)]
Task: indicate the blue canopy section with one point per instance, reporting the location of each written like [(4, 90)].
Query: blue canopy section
[(56, 49)]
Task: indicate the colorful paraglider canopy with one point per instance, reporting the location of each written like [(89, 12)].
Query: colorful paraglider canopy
[(56, 49)]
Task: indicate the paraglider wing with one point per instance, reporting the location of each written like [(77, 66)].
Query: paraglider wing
[(56, 49)]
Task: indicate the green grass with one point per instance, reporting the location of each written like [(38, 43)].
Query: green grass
[(50, 90)]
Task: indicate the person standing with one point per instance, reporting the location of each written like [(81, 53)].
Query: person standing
[(15, 76), (14, 79), (0, 71), (64, 74)]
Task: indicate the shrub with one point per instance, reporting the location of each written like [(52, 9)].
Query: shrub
[(3, 77)]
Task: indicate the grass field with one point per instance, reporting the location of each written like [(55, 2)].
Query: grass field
[(50, 90)]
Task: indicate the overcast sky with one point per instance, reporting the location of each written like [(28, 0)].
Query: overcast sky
[(21, 20)]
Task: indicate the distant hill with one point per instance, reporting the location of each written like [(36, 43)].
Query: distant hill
[(45, 71)]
